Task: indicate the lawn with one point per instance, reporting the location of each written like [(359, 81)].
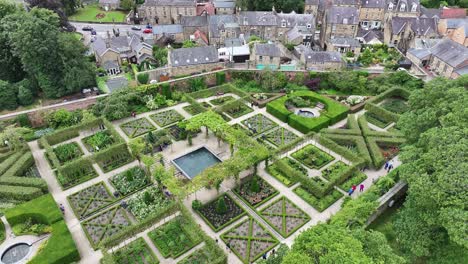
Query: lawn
[(90, 12)]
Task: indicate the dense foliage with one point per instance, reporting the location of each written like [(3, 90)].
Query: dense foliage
[(267, 5)]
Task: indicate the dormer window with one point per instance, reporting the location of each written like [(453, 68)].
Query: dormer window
[(402, 7), (413, 7), (345, 21), (390, 6)]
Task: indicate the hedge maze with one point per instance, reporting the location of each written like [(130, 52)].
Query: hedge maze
[(91, 199), (137, 127)]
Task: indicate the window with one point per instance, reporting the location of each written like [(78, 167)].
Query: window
[(345, 21), (413, 7), (283, 24), (260, 58), (271, 58), (390, 6), (309, 26), (402, 7)]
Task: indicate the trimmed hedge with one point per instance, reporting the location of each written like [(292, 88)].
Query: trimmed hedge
[(24, 181), (19, 193), (75, 173), (117, 156), (358, 141), (6, 155), (20, 166), (43, 208), (6, 164), (374, 149), (382, 113), (305, 124), (278, 110), (70, 132)]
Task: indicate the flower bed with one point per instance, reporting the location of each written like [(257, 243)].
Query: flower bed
[(280, 137), (259, 124), (75, 173), (90, 200), (135, 252), (166, 118), (356, 178), (221, 100), (255, 191), (320, 204), (147, 203), (157, 141), (334, 171), (236, 109), (99, 141), (284, 216), (216, 220), (249, 240), (192, 110), (396, 105), (286, 179), (130, 180), (68, 152), (137, 127), (175, 237), (312, 157), (105, 224)]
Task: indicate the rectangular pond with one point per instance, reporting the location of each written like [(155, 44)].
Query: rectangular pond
[(193, 163)]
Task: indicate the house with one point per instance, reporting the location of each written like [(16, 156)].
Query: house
[(165, 34), (222, 27), (430, 13), (372, 14), (258, 23), (109, 4), (191, 24), (224, 7), (339, 21), (449, 58), (166, 11), (402, 8), (311, 7), (200, 38), (193, 60), (403, 31), (266, 56), (344, 45), (448, 12), (234, 50), (370, 37), (319, 60), (205, 9), (456, 29), (111, 52)]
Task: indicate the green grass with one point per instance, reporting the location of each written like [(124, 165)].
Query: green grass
[(101, 84), (43, 207), (2, 232), (90, 11)]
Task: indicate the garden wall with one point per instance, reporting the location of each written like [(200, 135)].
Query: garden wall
[(395, 193)]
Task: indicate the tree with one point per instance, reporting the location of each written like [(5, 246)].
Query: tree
[(189, 44), (57, 7), (221, 206), (166, 90), (160, 55), (276, 258), (127, 4), (254, 186), (12, 137), (143, 78), (136, 147), (25, 95), (8, 96)]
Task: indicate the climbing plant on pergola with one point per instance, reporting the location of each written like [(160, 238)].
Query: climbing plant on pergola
[(245, 151)]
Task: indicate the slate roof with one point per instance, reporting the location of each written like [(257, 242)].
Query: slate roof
[(369, 35), (456, 22), (169, 3), (194, 21), (217, 22), (193, 56), (450, 52), (463, 70), (121, 44), (312, 2), (373, 3), (343, 15), (420, 53), (430, 12), (233, 42), (425, 43), (406, 4), (167, 29), (267, 50), (420, 26), (345, 42), (320, 57), (258, 18), (346, 2), (224, 4), (293, 19)]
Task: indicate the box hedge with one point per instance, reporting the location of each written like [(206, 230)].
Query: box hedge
[(44, 207), (10, 161), (24, 181), (19, 193), (20, 166)]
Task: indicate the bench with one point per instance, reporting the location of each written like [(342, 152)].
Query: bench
[(320, 106)]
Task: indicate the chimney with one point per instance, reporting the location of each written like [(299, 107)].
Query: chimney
[(108, 39)]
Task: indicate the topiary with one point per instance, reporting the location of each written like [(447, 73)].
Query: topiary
[(221, 207), (254, 186), (147, 198)]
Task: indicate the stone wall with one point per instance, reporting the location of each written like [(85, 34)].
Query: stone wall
[(388, 199)]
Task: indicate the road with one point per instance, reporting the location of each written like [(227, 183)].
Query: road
[(102, 29)]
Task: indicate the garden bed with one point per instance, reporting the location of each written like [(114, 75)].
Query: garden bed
[(397, 105), (255, 191), (258, 124), (320, 204), (312, 157), (249, 240), (156, 141), (216, 220), (334, 171), (115, 158), (99, 141), (148, 202), (90, 200), (280, 136), (356, 178), (75, 173), (192, 110), (376, 120), (130, 180), (166, 118), (175, 237), (105, 225), (68, 152), (285, 179), (284, 216), (136, 251), (222, 100), (137, 127), (236, 109)]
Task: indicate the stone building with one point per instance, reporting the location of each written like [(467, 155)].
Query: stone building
[(111, 52), (311, 7), (319, 60), (164, 34), (109, 4), (224, 7), (344, 45), (372, 14), (402, 32), (167, 11), (339, 21), (222, 27), (191, 24), (266, 56), (402, 8), (193, 60), (455, 29)]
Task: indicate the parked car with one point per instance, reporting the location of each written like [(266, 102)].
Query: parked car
[(93, 32), (149, 26), (148, 31), (136, 28), (87, 28)]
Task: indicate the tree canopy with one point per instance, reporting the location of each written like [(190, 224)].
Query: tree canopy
[(267, 5)]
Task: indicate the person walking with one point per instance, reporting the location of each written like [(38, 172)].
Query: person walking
[(361, 187), (350, 191), (390, 167), (354, 187), (386, 165), (62, 208)]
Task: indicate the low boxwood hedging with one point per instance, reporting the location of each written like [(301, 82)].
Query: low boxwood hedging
[(20, 166), (305, 124), (6, 155), (24, 181), (358, 141), (113, 157), (75, 173), (19, 193), (10, 161)]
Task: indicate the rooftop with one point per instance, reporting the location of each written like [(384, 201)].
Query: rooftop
[(193, 56), (267, 50)]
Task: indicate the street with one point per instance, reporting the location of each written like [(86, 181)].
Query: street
[(101, 29)]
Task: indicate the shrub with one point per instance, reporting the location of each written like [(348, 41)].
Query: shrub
[(196, 205), (20, 193), (24, 181), (23, 120), (254, 187), (221, 207), (278, 110), (143, 78), (220, 78), (166, 90)]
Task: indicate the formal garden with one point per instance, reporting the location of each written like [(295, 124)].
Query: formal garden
[(281, 164)]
